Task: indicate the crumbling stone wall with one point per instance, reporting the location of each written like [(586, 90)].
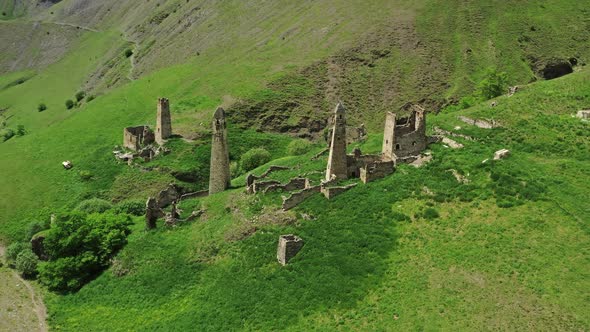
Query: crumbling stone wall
[(357, 160), (163, 121), (293, 184), (331, 192), (376, 170), (168, 195), (404, 136), (298, 197), (219, 175), (152, 213), (198, 194), (134, 138), (484, 124), (289, 245), (337, 162), (262, 185)]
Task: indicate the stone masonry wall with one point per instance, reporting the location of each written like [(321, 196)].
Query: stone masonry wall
[(298, 197), (219, 175), (163, 121), (377, 170)]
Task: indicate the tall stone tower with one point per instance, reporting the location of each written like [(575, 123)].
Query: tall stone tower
[(389, 137), (163, 121), (337, 164), (219, 176)]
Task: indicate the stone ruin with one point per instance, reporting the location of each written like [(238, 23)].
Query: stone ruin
[(152, 213), (219, 174), (501, 154), (134, 138), (583, 114), (289, 245), (163, 121), (404, 137), (140, 139)]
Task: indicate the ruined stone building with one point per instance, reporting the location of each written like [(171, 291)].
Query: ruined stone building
[(219, 175), (337, 165), (404, 137), (163, 121), (134, 138)]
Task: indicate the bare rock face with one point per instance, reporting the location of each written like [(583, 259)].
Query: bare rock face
[(289, 246), (584, 114)]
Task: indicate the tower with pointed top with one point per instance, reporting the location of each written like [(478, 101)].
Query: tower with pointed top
[(219, 175), (163, 121), (337, 161)]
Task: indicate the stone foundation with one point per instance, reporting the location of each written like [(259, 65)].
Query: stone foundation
[(289, 245)]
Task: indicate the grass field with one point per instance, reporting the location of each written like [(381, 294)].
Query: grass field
[(414, 251), (373, 258)]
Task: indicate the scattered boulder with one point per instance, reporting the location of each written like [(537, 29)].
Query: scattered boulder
[(583, 114), (512, 90), (451, 143), (501, 154), (289, 246), (67, 164)]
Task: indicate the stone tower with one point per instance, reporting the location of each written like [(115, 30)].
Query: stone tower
[(163, 121), (337, 162), (389, 137), (219, 176)]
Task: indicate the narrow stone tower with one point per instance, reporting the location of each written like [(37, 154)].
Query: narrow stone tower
[(163, 121), (219, 176), (389, 137), (337, 165)]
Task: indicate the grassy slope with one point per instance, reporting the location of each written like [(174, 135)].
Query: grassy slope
[(370, 261)]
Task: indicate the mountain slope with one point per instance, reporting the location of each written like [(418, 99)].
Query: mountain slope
[(506, 248)]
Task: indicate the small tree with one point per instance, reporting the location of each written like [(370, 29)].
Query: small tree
[(69, 104), (128, 52), (14, 249), (26, 263), (298, 147), (254, 158), (6, 134), (20, 130), (80, 95), (493, 85), (41, 107)]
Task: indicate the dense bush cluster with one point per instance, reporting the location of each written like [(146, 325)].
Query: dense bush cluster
[(94, 205), (80, 246), (254, 158), (299, 147)]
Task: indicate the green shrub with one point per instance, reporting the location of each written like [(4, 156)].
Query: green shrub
[(41, 107), (26, 263), (430, 213), (493, 85), (94, 205), (36, 227), (6, 134), (133, 207), (80, 95), (254, 158), (79, 247), (20, 130), (299, 147), (234, 169), (69, 104), (14, 249), (128, 52), (90, 98), (85, 175)]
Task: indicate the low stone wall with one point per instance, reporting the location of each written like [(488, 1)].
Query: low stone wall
[(167, 196), (293, 184), (376, 170), (298, 197), (451, 143), (331, 192), (485, 124), (441, 131), (198, 194), (251, 178), (261, 186)]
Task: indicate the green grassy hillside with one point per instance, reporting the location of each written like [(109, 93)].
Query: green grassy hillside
[(507, 249)]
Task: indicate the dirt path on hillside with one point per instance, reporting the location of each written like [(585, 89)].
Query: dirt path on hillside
[(38, 306), (73, 26)]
